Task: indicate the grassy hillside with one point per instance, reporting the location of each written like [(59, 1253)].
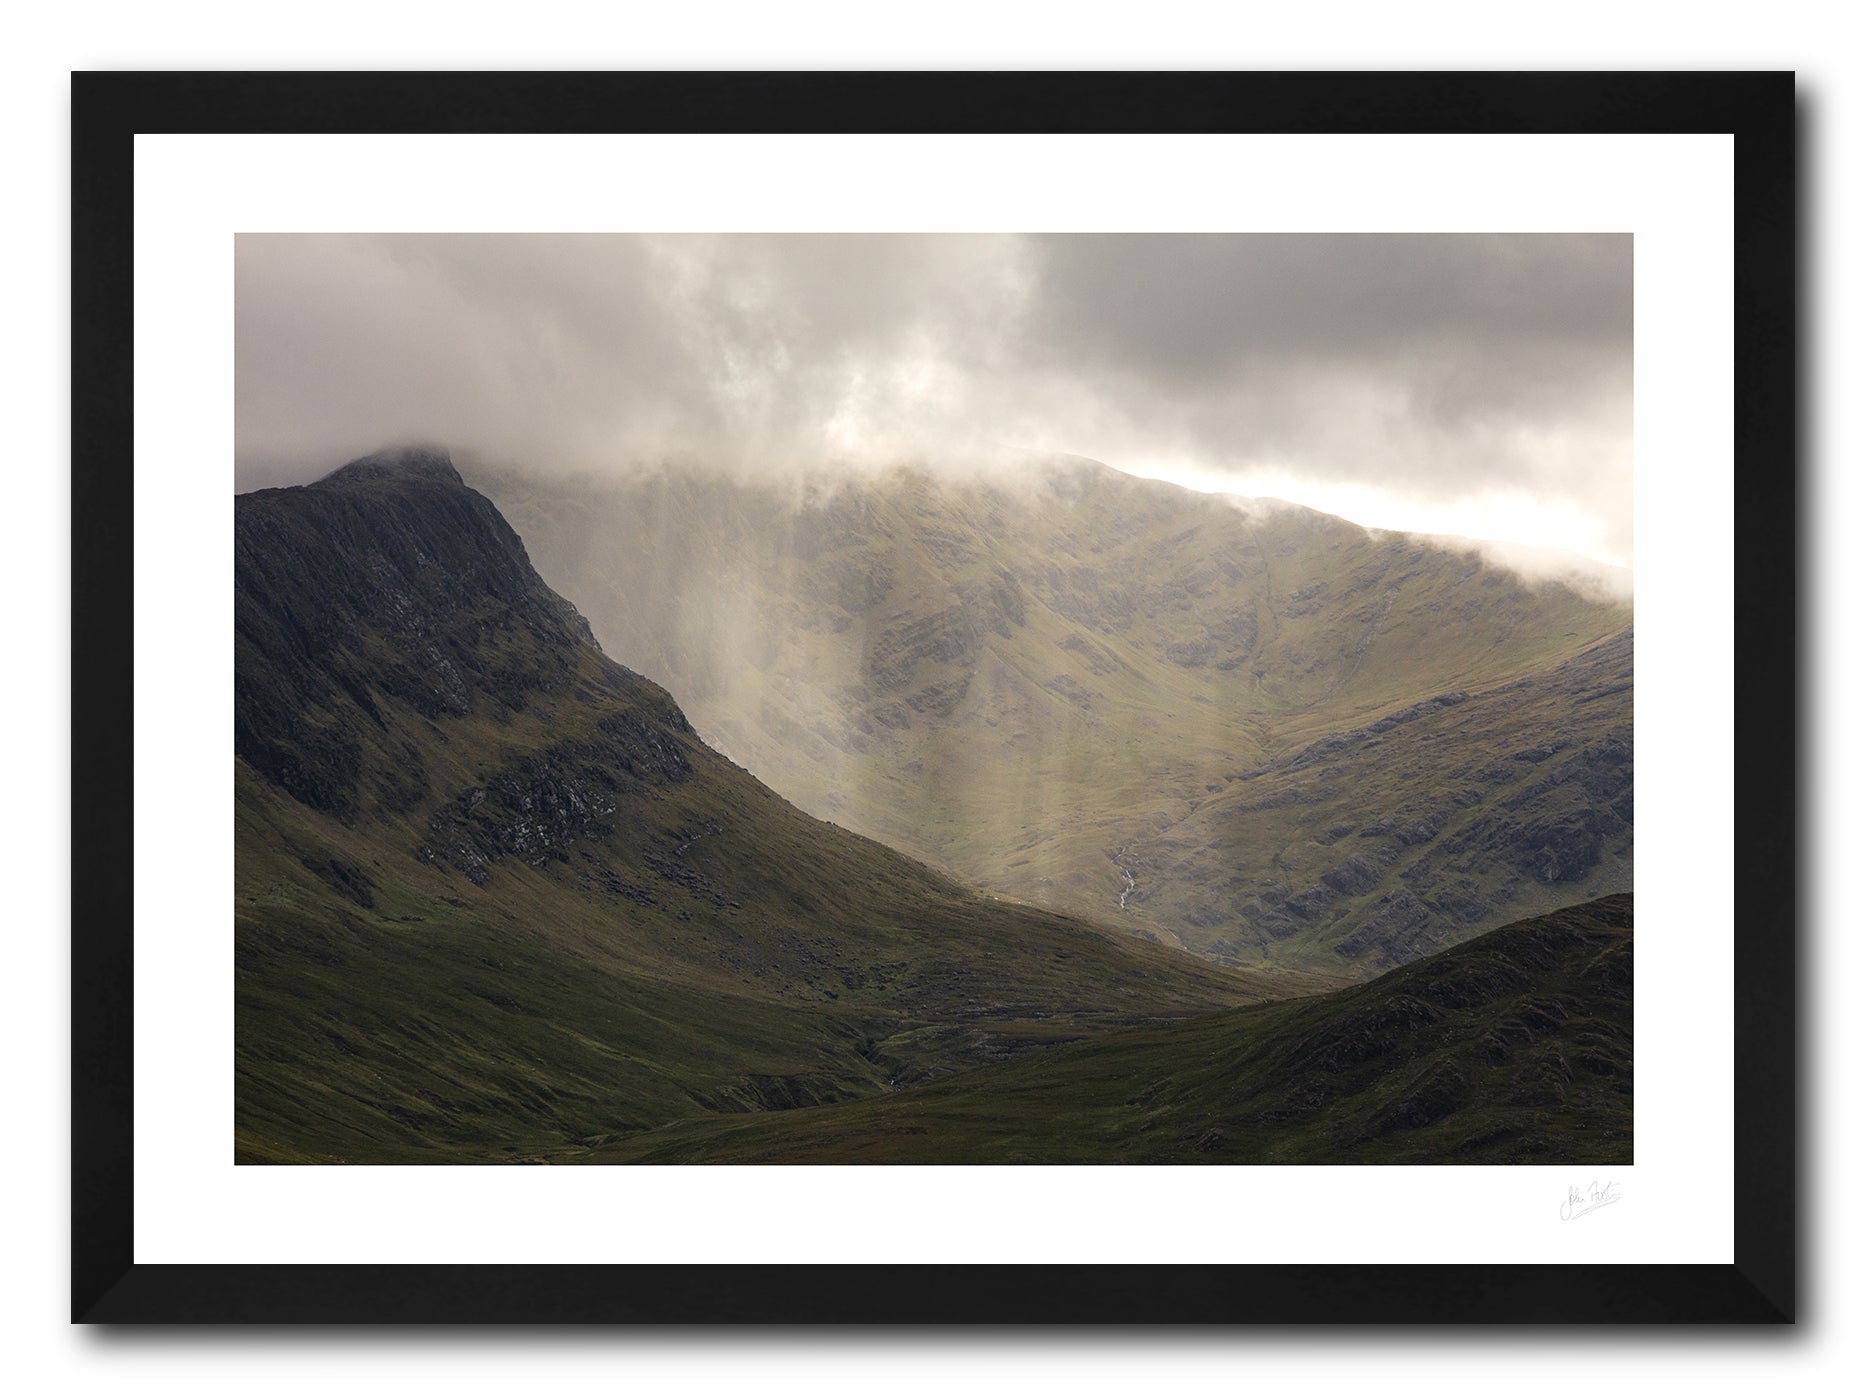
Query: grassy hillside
[(1513, 1047), (494, 898), (1129, 701)]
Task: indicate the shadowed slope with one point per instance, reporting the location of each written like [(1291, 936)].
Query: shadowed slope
[(1513, 1047), (493, 895)]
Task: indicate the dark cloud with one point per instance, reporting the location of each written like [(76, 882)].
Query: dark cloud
[(1436, 363), (1200, 305), (1437, 367)]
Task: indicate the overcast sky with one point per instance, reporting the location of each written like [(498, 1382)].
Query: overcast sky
[(1444, 383)]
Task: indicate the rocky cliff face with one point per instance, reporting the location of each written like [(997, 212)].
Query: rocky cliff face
[(386, 579), (1462, 811)]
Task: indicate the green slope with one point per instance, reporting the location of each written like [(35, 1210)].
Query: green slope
[(1051, 688), (494, 897), (1513, 1047)]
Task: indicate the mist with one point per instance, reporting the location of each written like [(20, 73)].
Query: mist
[(1462, 384)]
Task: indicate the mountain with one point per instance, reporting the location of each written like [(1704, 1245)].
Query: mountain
[(1514, 1047), (494, 898), (1248, 729)]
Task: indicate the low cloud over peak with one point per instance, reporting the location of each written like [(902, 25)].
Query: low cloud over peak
[(1432, 369)]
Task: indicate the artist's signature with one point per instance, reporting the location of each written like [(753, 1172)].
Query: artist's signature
[(1593, 1197)]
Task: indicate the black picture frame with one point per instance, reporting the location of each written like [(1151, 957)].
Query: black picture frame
[(1758, 109)]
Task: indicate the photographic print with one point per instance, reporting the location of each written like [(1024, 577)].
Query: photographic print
[(572, 563), (945, 698)]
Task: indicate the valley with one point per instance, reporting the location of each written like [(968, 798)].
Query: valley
[(492, 892), (498, 900), (1512, 1048)]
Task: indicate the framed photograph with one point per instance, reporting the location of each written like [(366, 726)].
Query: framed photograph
[(930, 673)]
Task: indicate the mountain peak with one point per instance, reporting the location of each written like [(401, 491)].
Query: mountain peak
[(427, 461)]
